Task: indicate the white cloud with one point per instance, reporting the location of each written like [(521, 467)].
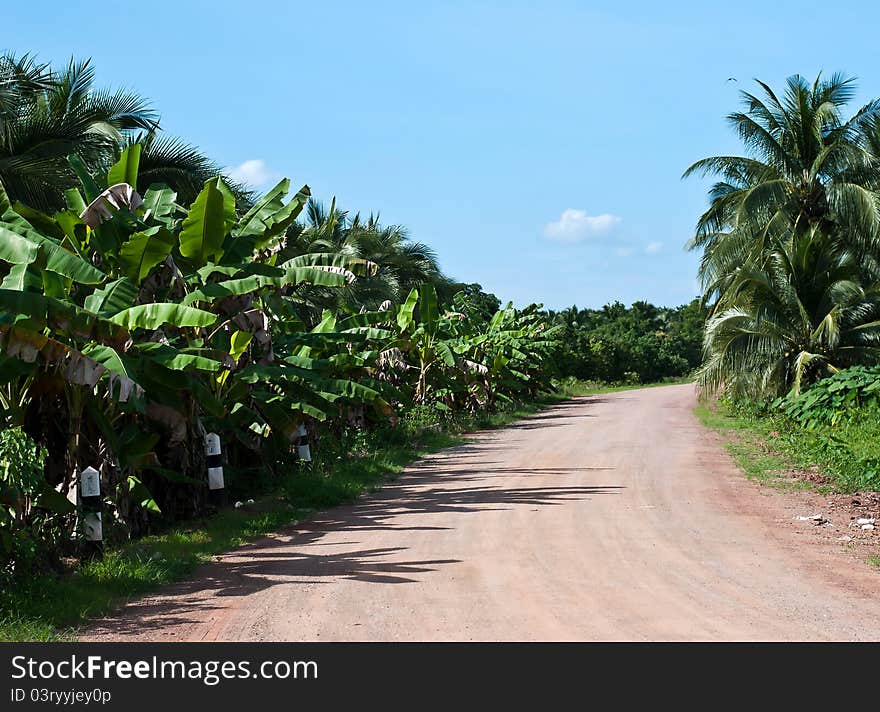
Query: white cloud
[(623, 251), (653, 248), (575, 225), (253, 172)]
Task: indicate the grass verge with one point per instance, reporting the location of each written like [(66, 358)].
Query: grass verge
[(841, 458), (779, 452), (594, 388), (746, 439)]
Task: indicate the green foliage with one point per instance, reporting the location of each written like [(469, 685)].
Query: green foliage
[(204, 227), (154, 324), (27, 505), (422, 417), (833, 399), (145, 250), (790, 242), (21, 467), (125, 170), (390, 264), (640, 344), (769, 442), (146, 301), (790, 246)]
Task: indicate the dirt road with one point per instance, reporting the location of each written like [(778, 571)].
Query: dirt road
[(613, 517)]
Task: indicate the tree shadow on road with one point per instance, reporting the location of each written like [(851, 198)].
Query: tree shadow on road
[(463, 481), (294, 557)]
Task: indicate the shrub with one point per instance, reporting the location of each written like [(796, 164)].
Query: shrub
[(833, 398), (422, 417), (27, 528)]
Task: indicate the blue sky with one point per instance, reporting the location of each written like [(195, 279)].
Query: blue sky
[(537, 147)]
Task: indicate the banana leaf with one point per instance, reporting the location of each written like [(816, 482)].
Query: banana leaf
[(62, 316), (118, 295), (152, 316), (57, 259), (405, 318), (203, 229), (125, 170), (255, 221), (160, 204), (246, 285), (144, 250)]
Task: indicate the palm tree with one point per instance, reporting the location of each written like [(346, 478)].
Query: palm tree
[(791, 241), (809, 310), (402, 263), (46, 116), (807, 167)]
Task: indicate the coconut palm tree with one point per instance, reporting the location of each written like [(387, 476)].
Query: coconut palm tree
[(47, 116), (806, 166), (402, 264), (791, 241), (808, 310)]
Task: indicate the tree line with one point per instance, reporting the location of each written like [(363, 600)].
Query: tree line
[(640, 344)]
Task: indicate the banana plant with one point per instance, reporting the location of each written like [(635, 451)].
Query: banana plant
[(425, 336), (131, 325), (173, 308)]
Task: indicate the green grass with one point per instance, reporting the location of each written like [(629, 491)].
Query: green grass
[(747, 444), (592, 388), (765, 447), (47, 608)]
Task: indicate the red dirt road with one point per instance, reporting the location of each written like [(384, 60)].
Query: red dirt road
[(613, 517)]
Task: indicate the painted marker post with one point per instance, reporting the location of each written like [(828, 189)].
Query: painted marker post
[(92, 525), (303, 452), (214, 455)]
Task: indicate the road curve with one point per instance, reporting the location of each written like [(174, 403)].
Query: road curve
[(614, 517)]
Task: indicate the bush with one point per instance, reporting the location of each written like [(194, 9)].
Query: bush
[(611, 344), (833, 398), (26, 504), (835, 423), (422, 417)]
